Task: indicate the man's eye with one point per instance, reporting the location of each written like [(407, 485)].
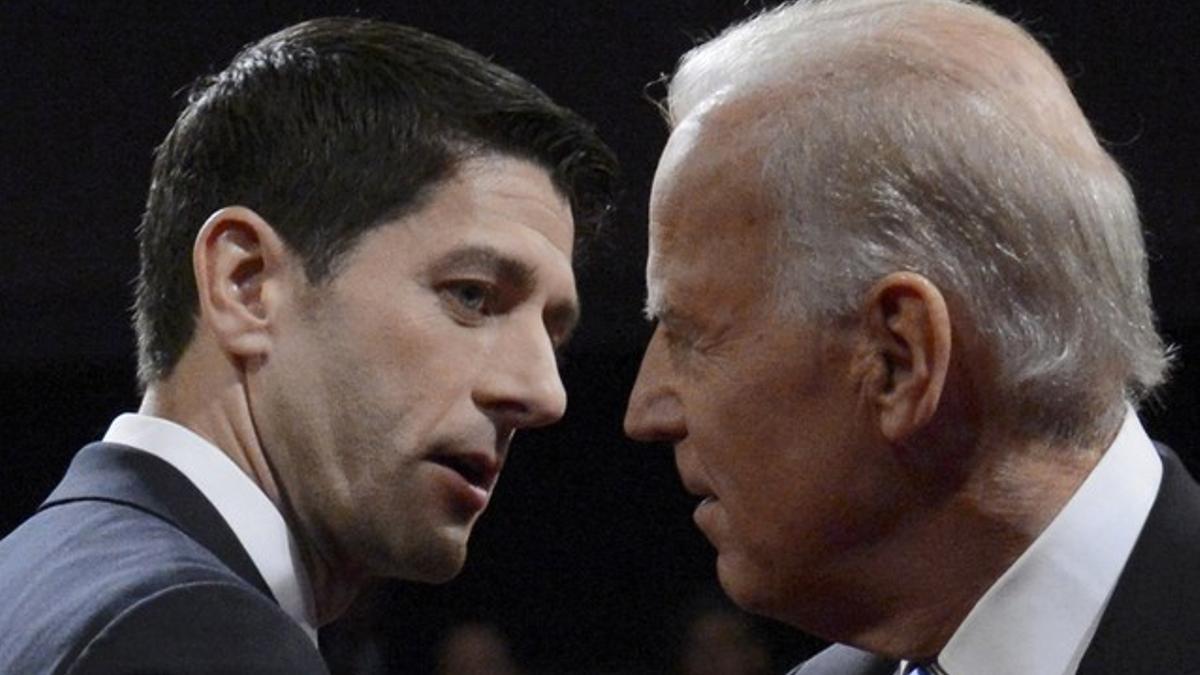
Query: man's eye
[(472, 296)]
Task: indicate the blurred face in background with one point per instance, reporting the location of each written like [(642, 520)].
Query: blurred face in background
[(475, 649)]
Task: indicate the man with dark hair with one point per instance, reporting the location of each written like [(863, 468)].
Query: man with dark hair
[(355, 270), (903, 329)]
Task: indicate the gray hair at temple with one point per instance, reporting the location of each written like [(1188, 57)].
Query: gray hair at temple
[(936, 137)]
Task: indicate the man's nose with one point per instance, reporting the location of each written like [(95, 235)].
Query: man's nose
[(524, 388), (655, 412)]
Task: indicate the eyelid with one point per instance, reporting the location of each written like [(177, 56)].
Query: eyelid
[(674, 327), (682, 337)]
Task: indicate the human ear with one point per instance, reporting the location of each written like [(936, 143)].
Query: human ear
[(239, 262), (908, 325)]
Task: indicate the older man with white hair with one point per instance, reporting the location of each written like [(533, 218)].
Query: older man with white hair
[(903, 328)]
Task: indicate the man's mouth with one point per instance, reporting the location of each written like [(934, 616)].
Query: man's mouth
[(698, 488), (478, 469)]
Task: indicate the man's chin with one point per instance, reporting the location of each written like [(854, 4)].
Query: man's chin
[(439, 575), (436, 563), (741, 585)]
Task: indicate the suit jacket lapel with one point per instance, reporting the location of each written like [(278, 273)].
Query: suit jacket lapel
[(123, 475), (1150, 624)]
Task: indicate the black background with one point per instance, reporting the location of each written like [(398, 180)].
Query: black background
[(587, 556)]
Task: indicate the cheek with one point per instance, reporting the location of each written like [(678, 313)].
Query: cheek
[(779, 454), (348, 418)]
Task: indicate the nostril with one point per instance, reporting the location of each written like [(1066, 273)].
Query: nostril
[(517, 414)]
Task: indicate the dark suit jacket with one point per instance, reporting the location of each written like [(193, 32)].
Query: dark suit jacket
[(1152, 623), (127, 568)]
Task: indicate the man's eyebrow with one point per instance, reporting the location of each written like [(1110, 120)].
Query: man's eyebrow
[(671, 318), (654, 307), (651, 311), (658, 309), (489, 259)]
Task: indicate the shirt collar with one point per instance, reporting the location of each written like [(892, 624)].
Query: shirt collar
[(251, 515), (1040, 615)]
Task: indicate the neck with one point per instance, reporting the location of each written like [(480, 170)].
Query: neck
[(221, 419), (213, 402), (958, 543)]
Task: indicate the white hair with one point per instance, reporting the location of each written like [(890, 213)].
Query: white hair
[(937, 137)]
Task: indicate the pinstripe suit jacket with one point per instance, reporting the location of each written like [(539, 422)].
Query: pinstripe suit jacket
[(127, 568)]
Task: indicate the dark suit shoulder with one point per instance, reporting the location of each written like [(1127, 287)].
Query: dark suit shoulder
[(1150, 623), (69, 571), (200, 627)]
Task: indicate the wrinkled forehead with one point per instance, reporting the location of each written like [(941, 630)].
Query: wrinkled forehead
[(708, 197), (713, 149)]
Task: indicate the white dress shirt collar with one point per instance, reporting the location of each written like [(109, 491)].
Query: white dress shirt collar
[(1040, 615), (252, 516)]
